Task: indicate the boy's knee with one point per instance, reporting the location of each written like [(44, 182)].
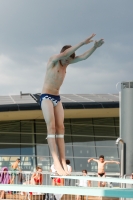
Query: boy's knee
[(51, 128), (60, 128)]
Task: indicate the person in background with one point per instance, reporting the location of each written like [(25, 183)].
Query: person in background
[(36, 179), (83, 183), (4, 179), (69, 168), (14, 168), (101, 167)]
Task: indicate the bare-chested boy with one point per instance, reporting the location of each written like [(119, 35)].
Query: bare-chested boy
[(50, 100), (15, 167), (101, 164)]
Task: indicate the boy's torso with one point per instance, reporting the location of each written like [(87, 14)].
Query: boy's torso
[(54, 78), (101, 167)]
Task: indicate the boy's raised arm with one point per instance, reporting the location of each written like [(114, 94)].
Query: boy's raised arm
[(93, 160), (112, 161), (68, 52), (85, 55)]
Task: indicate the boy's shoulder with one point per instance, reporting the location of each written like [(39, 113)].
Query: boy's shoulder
[(52, 64)]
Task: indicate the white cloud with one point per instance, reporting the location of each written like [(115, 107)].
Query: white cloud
[(31, 32)]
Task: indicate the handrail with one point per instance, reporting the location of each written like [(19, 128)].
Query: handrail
[(122, 155)]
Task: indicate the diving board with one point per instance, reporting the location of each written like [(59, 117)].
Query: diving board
[(105, 179), (73, 190)]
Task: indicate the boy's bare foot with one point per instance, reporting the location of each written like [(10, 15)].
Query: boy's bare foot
[(59, 169), (65, 167)]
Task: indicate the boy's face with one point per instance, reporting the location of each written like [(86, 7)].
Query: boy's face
[(66, 61), (84, 173), (101, 160)]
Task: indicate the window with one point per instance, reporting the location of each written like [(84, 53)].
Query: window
[(9, 149), (103, 141), (42, 150), (83, 140), (68, 150), (27, 149), (84, 151), (108, 152), (81, 163), (9, 138), (41, 139)]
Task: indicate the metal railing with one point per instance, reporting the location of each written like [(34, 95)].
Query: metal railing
[(22, 180)]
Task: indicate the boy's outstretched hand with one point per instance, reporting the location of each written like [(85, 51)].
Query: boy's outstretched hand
[(98, 43), (90, 159), (88, 40)]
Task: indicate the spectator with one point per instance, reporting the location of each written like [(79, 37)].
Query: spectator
[(15, 168), (4, 179), (83, 183), (36, 179), (69, 168)]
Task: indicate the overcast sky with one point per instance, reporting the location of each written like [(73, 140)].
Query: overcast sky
[(33, 30)]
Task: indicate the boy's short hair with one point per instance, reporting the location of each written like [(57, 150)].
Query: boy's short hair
[(67, 47), (18, 159), (67, 162), (101, 156), (84, 170)]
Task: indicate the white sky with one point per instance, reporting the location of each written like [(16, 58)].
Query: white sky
[(33, 30)]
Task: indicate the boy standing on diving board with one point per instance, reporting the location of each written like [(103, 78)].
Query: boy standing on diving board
[(101, 165), (50, 99)]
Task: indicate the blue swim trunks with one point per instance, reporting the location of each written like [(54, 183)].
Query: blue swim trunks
[(54, 98)]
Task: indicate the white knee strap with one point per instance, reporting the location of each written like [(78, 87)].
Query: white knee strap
[(50, 136), (59, 135)]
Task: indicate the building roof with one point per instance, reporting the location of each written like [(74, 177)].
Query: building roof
[(27, 106), (70, 101)]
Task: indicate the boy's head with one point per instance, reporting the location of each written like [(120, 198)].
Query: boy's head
[(68, 162), (101, 158), (66, 61), (67, 47), (18, 160), (84, 172)]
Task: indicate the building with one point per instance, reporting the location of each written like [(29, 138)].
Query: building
[(91, 129)]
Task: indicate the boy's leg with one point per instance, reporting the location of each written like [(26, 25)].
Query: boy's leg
[(103, 183), (48, 113), (99, 183), (59, 125)]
